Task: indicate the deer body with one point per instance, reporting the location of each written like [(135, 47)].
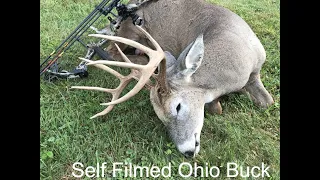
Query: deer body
[(209, 50), (232, 50)]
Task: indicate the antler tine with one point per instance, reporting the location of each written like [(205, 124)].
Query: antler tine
[(93, 88), (124, 80), (113, 63), (129, 42), (125, 58), (115, 92), (115, 95), (109, 108), (154, 42), (104, 112), (132, 43), (141, 83), (103, 67)]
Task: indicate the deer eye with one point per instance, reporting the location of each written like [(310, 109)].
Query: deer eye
[(178, 107)]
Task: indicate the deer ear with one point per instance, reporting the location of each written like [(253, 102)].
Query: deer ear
[(191, 57), (170, 59)]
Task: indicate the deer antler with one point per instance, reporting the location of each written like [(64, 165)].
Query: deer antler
[(142, 73)]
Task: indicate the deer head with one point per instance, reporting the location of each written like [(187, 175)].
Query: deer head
[(182, 108), (179, 106)]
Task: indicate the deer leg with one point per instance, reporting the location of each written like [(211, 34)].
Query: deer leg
[(214, 107), (258, 93), (136, 59), (242, 91)]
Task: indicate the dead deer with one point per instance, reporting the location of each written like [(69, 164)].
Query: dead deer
[(209, 52)]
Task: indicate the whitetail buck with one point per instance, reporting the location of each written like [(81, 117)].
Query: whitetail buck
[(209, 52)]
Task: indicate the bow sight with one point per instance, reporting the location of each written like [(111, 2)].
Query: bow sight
[(50, 66)]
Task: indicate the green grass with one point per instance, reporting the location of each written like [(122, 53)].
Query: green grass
[(243, 134)]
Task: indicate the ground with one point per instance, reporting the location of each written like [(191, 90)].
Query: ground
[(243, 134)]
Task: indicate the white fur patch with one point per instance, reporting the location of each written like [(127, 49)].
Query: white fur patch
[(187, 79)]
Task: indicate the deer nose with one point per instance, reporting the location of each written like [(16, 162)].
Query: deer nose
[(197, 142), (189, 154)]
